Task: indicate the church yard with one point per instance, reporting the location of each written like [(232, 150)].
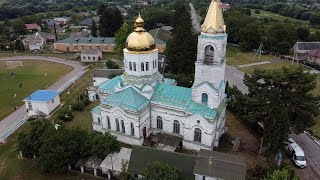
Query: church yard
[(33, 75)]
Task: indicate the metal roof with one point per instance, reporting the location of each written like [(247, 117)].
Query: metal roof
[(88, 40), (96, 110), (223, 165), (90, 51), (42, 96), (128, 99), (108, 87), (304, 46), (141, 156)]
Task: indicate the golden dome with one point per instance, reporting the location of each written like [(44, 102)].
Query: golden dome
[(139, 40), (214, 22)]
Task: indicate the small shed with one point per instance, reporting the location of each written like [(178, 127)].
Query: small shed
[(90, 55), (102, 75), (42, 102)]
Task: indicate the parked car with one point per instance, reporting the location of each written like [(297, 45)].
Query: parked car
[(296, 153)]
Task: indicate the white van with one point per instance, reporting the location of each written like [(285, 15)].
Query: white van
[(296, 153)]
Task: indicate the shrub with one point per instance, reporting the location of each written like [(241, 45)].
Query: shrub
[(65, 115), (78, 105), (112, 65)]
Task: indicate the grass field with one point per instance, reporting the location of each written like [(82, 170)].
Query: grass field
[(277, 17), (236, 57), (32, 76), (270, 66), (11, 167)]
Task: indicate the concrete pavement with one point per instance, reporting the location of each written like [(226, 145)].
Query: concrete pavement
[(10, 123), (235, 78), (194, 18)]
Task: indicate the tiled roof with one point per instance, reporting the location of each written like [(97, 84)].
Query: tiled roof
[(42, 95), (108, 87), (223, 166), (31, 26), (128, 99)]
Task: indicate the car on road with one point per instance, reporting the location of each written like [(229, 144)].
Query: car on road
[(296, 153)]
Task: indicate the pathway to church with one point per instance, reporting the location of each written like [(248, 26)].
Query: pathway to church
[(19, 117)]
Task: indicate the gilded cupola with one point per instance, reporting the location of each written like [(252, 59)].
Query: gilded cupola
[(214, 22), (140, 40)]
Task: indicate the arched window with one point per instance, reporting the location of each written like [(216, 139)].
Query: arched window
[(159, 122), (176, 127), (197, 135), (208, 55), (142, 66), (108, 123), (99, 120), (130, 66), (123, 129), (204, 98), (134, 66), (147, 66), (117, 124), (132, 129)]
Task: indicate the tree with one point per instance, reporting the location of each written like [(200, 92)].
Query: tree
[(102, 145), (250, 36), (303, 33), (124, 175), (19, 27), (94, 29), (110, 21), (121, 37), (280, 99), (181, 49), (284, 173), (315, 19), (18, 45), (160, 171)]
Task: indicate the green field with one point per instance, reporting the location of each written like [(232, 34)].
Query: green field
[(277, 17), (270, 66), (33, 75), (12, 167), (236, 57)]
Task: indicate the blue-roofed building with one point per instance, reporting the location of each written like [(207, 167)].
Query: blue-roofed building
[(141, 103), (42, 102)]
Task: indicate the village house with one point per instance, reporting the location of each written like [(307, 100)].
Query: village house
[(32, 27), (90, 55), (301, 48), (313, 56), (62, 21), (42, 102), (86, 22), (37, 40)]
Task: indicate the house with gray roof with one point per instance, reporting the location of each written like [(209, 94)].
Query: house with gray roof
[(37, 40), (301, 48), (86, 22)]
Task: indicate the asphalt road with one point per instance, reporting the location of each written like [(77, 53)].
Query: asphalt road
[(58, 85)]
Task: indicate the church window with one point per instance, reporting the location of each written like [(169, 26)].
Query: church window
[(197, 135), (108, 123), (134, 66), (142, 66), (117, 124), (209, 55), (204, 98), (132, 129), (123, 129), (99, 120), (147, 66), (130, 66), (176, 127), (159, 122)]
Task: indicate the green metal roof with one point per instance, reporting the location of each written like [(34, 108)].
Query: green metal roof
[(141, 156), (96, 110), (128, 99), (181, 97), (88, 40), (108, 86), (169, 81)]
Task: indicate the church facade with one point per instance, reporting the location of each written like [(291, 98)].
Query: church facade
[(142, 102)]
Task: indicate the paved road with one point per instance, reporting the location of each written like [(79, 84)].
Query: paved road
[(58, 85), (235, 78), (194, 18)]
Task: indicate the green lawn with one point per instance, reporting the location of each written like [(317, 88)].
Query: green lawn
[(277, 17), (236, 57), (270, 66), (316, 128), (11, 167), (32, 76)]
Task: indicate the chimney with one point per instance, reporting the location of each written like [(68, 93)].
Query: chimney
[(210, 160)]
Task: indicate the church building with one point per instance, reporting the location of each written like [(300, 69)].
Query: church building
[(141, 102)]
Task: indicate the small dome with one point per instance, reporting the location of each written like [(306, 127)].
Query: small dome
[(139, 40)]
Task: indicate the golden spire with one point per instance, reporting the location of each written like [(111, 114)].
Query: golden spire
[(139, 24), (214, 22)]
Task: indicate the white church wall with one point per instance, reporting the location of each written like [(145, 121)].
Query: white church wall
[(138, 59), (214, 99), (213, 74), (98, 80)]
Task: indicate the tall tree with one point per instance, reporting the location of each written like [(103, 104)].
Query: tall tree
[(281, 99), (303, 33), (110, 21), (181, 49), (160, 171), (250, 36), (94, 29), (121, 37)]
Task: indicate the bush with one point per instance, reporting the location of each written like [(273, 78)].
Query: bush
[(257, 11), (112, 65), (65, 115), (78, 105)]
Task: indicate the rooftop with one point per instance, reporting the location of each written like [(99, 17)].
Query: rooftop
[(108, 86), (222, 165), (314, 53), (141, 156), (42, 96), (31, 26), (305, 46), (114, 161), (88, 40), (90, 51)]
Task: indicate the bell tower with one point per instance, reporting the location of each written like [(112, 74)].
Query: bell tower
[(209, 85)]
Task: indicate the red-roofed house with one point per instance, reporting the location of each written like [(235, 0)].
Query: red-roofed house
[(314, 56), (33, 27)]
